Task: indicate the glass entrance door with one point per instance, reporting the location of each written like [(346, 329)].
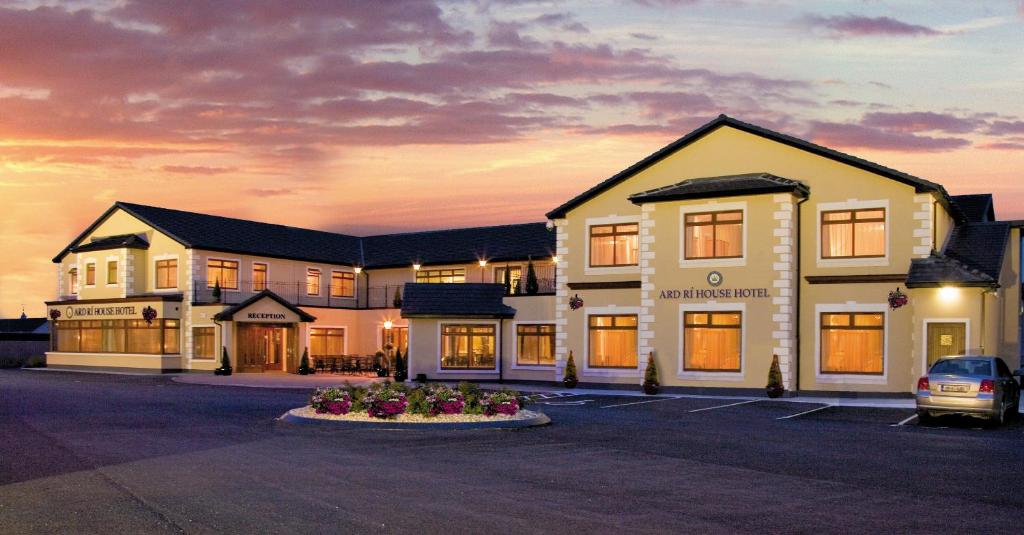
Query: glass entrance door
[(262, 347)]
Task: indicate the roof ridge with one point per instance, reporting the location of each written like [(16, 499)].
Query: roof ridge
[(307, 229), (455, 229)]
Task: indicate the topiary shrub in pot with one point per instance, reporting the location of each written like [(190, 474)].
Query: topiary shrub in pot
[(651, 384), (397, 299), (401, 372), (304, 368), (215, 294), (570, 380), (532, 287), (225, 363), (775, 386)]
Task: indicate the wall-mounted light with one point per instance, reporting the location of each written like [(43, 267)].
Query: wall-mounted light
[(388, 325), (357, 269), (554, 259), (416, 266), (483, 263), (949, 293)]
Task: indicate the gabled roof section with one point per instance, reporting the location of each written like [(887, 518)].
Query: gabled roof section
[(228, 313), (455, 300), (940, 270), (24, 325), (722, 186), (919, 184), (979, 246), (129, 241), (976, 208), (455, 246)]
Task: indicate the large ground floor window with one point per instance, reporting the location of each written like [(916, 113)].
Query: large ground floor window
[(203, 345), (117, 336), (467, 347), (329, 342), (535, 345), (712, 341), (853, 343), (613, 341)]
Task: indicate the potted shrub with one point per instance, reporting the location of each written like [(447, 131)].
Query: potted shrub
[(397, 300), (775, 387), (225, 363), (382, 369), (651, 376), (304, 368), (401, 374), (532, 287), (216, 291), (570, 380), (508, 281)]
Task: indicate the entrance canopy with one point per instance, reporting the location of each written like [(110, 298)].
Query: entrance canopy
[(265, 307)]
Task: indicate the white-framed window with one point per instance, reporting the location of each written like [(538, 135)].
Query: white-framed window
[(441, 275), (851, 343), (204, 342), (516, 276), (468, 347), (535, 344), (853, 233), (73, 280), (712, 341), (165, 270), (611, 341), (260, 272), (90, 272), (223, 271), (312, 281), (612, 245), (328, 341), (713, 235), (111, 271), (343, 284)]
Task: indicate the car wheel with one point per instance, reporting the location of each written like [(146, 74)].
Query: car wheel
[(999, 418)]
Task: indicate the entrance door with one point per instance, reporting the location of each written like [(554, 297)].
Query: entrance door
[(261, 347), (398, 337), (946, 339)]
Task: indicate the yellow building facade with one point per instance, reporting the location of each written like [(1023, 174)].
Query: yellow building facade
[(729, 248)]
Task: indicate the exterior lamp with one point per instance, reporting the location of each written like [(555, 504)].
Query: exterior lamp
[(388, 324), (357, 269), (483, 263), (949, 293), (416, 266), (554, 259)]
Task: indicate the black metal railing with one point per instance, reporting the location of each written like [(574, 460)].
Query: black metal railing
[(295, 292)]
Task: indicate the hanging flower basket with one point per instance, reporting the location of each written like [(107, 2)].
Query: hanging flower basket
[(897, 299), (575, 302), (149, 314), (55, 314)]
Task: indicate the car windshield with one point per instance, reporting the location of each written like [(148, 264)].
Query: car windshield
[(975, 367)]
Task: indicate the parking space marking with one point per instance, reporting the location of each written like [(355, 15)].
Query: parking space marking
[(639, 402), (905, 421), (565, 403), (805, 412), (724, 406)]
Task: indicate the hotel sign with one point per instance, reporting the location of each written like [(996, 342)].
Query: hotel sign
[(106, 312), (266, 316), (715, 279)]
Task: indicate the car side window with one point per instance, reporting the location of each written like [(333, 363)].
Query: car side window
[(1003, 369)]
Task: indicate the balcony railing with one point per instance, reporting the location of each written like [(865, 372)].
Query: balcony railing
[(294, 292)]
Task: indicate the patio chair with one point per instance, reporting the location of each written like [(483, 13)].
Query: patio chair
[(320, 364)]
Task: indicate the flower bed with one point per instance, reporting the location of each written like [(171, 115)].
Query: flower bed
[(395, 402)]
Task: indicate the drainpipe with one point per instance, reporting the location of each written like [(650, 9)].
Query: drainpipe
[(981, 329), (796, 299), (501, 350)]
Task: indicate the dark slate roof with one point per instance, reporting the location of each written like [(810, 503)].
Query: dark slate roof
[(977, 208), (24, 325), (130, 241), (228, 313), (722, 186), (939, 270), (919, 184), (462, 300), (980, 246), (240, 236), (495, 244)]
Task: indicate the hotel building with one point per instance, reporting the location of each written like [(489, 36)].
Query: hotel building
[(730, 246)]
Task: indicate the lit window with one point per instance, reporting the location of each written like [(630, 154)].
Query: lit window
[(852, 343), (259, 277), (203, 346), (441, 275), (711, 341), (343, 284), (714, 235), (467, 347), (73, 282), (613, 341), (90, 274), (515, 274), (167, 273), (223, 271), (118, 336), (312, 281), (614, 245), (535, 345), (853, 233), (112, 272), (326, 342)]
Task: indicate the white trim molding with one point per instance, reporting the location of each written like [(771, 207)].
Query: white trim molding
[(712, 206), (681, 372), (609, 372), (607, 220), (477, 371), (851, 378), (853, 204)]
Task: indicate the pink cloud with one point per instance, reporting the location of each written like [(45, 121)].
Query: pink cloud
[(921, 121), (1003, 128), (847, 135), (850, 25)]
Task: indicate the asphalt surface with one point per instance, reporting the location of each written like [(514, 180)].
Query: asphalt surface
[(83, 453)]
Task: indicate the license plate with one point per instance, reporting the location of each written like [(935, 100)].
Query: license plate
[(954, 388)]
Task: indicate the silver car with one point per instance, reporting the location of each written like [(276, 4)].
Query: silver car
[(969, 385)]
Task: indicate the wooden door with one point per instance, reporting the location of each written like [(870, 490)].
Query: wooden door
[(944, 339)]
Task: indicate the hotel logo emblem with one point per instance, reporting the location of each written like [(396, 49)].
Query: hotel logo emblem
[(715, 279)]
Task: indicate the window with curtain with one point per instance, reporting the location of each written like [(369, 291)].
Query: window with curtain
[(167, 273), (112, 272), (613, 341), (118, 336), (223, 271), (853, 233), (172, 337), (326, 342), (441, 275), (515, 276), (312, 281), (467, 347), (343, 284), (535, 345), (203, 345), (714, 235), (90, 274), (852, 343), (614, 245), (259, 276), (73, 281), (712, 341)]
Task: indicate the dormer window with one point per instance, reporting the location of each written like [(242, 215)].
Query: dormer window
[(73, 281)]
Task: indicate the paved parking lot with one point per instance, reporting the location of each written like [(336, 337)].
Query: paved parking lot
[(97, 453)]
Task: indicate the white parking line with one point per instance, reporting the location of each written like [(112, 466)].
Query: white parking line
[(805, 412), (724, 406), (638, 402), (904, 422)]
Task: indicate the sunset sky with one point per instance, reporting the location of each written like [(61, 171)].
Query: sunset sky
[(368, 117)]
